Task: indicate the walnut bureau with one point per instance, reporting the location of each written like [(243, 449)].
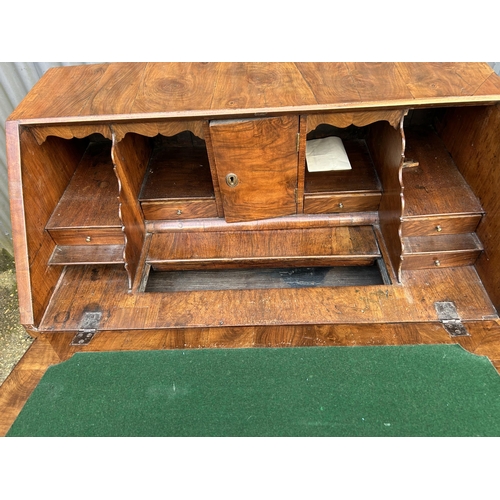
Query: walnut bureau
[(153, 197)]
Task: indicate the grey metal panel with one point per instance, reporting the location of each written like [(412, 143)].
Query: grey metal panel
[(16, 80), (496, 67)]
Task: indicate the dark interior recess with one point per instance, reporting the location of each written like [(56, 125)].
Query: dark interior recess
[(244, 279), (178, 168)]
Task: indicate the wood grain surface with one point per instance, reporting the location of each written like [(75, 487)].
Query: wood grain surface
[(344, 245), (263, 154), (85, 288), (436, 186), (91, 197), (120, 91)]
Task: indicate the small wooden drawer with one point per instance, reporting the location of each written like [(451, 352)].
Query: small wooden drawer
[(440, 225), (336, 203), (88, 236), (434, 261), (426, 252), (179, 209)]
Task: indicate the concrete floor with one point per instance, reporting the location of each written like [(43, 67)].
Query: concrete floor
[(14, 341)]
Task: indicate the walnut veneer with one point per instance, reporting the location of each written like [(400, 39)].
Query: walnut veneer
[(117, 171)]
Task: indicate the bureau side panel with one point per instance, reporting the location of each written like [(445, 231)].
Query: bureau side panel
[(471, 135), (38, 177), (17, 213)]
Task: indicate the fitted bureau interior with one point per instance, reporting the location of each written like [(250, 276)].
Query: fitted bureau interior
[(157, 217)]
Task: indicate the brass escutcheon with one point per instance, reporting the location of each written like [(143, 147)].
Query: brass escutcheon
[(232, 180)]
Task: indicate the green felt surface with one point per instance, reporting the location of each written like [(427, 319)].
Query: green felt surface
[(431, 390)]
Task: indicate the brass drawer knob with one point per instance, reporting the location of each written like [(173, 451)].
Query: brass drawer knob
[(437, 263), (439, 228), (179, 212), (88, 239), (341, 205)]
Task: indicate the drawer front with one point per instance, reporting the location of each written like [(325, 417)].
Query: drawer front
[(300, 247), (88, 236), (337, 203), (452, 224), (174, 209), (433, 261)]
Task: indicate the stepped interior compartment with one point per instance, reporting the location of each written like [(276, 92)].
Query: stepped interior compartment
[(85, 224), (441, 211)]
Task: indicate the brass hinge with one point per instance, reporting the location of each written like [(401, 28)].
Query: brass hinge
[(87, 328), (448, 315)]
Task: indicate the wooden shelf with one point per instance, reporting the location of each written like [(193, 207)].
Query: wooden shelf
[(435, 187), (306, 306), (177, 173), (355, 190), (361, 178), (90, 254), (178, 182), (91, 198)]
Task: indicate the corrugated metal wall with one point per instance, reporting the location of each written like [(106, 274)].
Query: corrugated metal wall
[(16, 79)]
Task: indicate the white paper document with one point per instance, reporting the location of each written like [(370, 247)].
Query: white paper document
[(326, 154)]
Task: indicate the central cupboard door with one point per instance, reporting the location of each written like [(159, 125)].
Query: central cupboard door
[(256, 162)]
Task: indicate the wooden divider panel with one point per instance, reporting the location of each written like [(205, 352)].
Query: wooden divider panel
[(131, 157), (387, 147)]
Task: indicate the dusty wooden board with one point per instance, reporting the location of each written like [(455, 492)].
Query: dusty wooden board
[(251, 279)]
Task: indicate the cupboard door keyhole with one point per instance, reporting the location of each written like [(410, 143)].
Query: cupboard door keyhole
[(231, 180)]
